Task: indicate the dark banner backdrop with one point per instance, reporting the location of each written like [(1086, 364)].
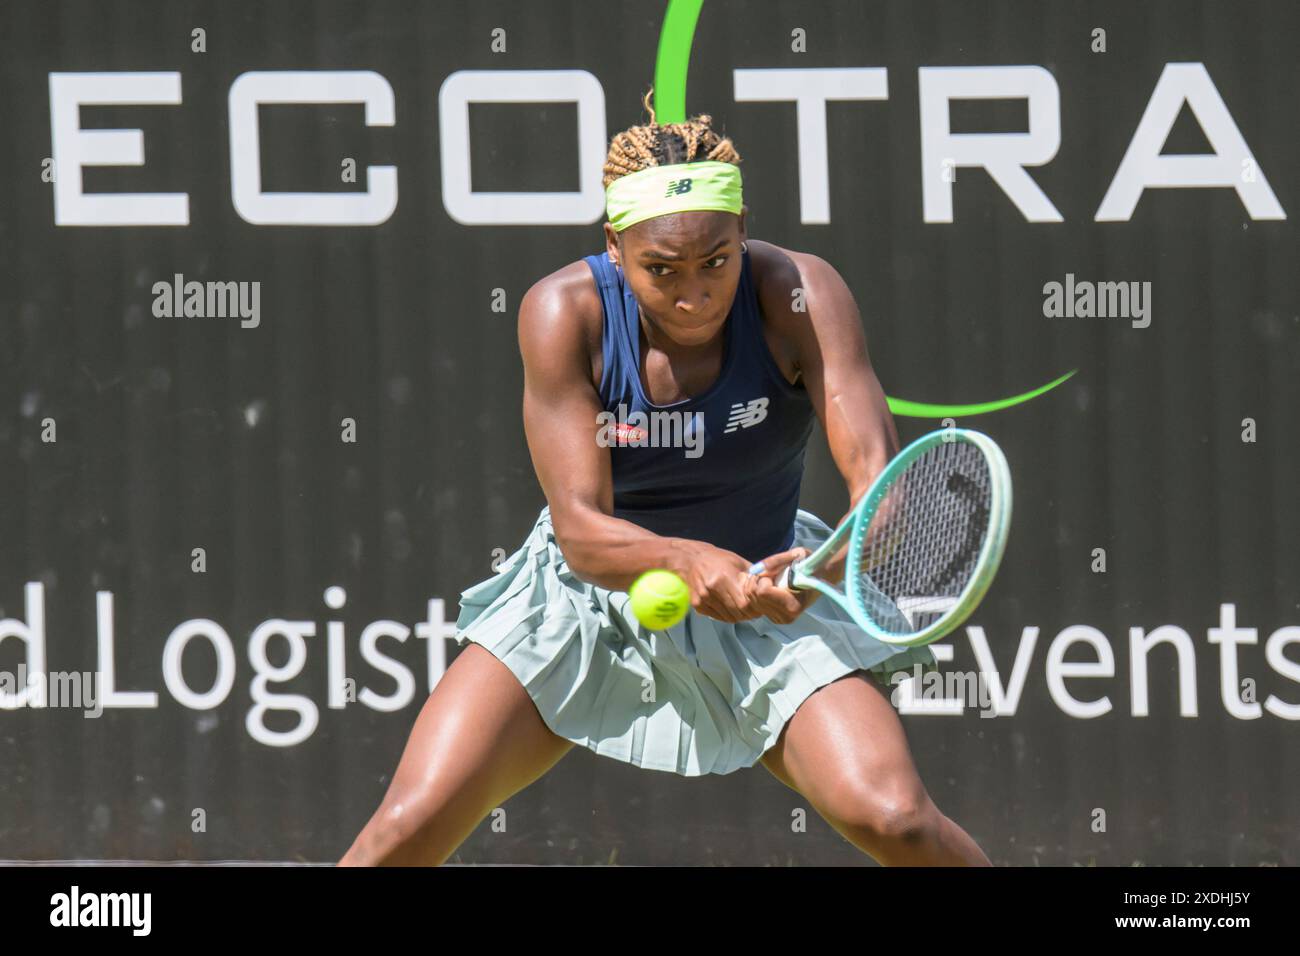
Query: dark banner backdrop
[(129, 438)]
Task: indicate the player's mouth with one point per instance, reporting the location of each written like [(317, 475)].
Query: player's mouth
[(694, 328), (688, 331)]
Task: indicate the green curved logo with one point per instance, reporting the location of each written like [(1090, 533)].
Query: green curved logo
[(901, 406), (671, 65)]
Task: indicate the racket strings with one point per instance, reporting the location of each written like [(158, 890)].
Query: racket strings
[(923, 543)]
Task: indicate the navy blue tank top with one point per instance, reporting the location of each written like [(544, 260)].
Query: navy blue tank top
[(723, 466)]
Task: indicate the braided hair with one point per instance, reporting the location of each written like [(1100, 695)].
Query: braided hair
[(655, 144)]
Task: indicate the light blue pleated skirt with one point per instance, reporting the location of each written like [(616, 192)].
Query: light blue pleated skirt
[(700, 697)]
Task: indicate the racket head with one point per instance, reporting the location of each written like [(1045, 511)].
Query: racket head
[(927, 537)]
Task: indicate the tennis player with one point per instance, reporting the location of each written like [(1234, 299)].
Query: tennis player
[(729, 348)]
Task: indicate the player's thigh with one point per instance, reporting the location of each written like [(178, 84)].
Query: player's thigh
[(845, 750), (478, 739)]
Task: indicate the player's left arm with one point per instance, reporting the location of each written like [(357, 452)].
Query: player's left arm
[(821, 339), (827, 346)]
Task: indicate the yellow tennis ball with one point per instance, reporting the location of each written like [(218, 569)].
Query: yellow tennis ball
[(659, 599)]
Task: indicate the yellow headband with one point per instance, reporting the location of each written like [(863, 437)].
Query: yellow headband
[(663, 190)]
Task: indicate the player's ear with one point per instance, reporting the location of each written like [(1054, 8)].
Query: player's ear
[(612, 251)]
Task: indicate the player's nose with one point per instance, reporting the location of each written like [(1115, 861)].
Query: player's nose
[(694, 304)]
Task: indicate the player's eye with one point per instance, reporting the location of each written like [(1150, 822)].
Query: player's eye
[(659, 275)]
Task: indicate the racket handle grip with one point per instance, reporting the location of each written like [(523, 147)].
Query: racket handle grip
[(783, 581)]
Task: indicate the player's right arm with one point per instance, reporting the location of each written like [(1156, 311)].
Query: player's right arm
[(560, 410)]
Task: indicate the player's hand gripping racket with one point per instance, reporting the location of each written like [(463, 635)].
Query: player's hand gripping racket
[(923, 543)]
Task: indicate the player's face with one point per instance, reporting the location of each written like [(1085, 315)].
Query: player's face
[(684, 270)]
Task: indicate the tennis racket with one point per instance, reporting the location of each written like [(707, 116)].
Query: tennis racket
[(923, 543)]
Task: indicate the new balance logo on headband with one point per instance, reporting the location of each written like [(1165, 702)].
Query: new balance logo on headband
[(677, 187), (746, 414)]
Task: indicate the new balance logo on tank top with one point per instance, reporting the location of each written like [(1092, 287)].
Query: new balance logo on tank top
[(735, 486)]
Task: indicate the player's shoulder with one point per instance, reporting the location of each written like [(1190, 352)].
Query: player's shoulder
[(565, 298), (780, 274), (563, 309)]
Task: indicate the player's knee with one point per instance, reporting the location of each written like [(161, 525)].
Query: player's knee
[(408, 825), (403, 816), (909, 822), (888, 814)]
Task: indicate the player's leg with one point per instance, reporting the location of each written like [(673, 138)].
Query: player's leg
[(845, 751), (478, 740)]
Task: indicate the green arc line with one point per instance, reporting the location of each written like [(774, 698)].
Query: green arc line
[(901, 406), (671, 66), (674, 59)]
